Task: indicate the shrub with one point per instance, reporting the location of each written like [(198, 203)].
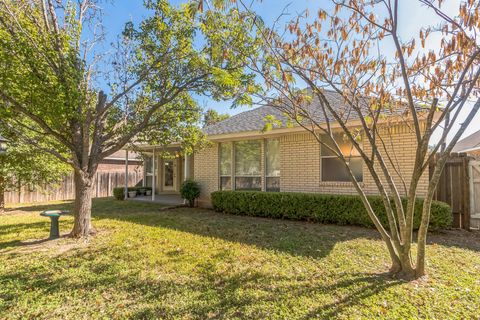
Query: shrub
[(190, 190), (119, 193), (323, 208)]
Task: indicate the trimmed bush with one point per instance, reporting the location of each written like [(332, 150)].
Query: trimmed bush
[(119, 193), (323, 208), (190, 190)]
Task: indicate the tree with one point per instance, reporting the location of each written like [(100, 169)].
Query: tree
[(23, 165), (51, 80), (212, 116), (429, 78)]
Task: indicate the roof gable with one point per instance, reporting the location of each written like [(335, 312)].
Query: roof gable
[(468, 143)]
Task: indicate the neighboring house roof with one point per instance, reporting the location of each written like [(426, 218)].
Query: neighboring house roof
[(120, 155), (470, 143), (254, 120)]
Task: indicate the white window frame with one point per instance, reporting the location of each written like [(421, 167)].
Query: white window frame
[(265, 165), (232, 166), (234, 162), (335, 157), (233, 176)]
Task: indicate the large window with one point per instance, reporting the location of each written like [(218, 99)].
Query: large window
[(333, 168), (272, 165), (240, 165), (248, 165), (226, 166)]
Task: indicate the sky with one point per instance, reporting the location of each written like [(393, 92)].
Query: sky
[(117, 12)]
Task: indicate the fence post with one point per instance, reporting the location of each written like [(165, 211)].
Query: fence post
[(466, 191)]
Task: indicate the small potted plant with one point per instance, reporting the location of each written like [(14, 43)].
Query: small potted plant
[(190, 191), (148, 192), (142, 191), (132, 193)]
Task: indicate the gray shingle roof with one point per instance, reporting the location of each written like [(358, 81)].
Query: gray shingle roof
[(254, 120), (468, 143), (251, 120)]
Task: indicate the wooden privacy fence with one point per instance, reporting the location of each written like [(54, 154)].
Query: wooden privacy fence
[(454, 188), (65, 190)]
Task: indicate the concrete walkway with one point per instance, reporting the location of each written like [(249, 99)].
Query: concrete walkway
[(168, 199)]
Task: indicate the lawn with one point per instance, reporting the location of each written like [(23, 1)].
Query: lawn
[(197, 264)]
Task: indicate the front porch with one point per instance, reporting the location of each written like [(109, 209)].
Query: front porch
[(168, 199), (164, 170)]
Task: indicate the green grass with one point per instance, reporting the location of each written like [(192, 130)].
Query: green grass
[(196, 264)]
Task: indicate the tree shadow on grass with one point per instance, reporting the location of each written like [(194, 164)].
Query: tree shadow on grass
[(280, 233), (34, 227), (207, 292), (40, 207), (297, 238), (18, 228)]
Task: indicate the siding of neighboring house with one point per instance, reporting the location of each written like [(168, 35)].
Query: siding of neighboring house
[(300, 163), (120, 167)]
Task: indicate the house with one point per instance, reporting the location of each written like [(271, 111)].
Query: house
[(241, 156), (116, 162), (469, 145)]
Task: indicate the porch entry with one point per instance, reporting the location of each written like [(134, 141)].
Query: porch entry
[(170, 172), (165, 173)]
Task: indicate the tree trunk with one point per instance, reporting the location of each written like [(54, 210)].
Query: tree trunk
[(422, 234), (83, 205), (402, 265)]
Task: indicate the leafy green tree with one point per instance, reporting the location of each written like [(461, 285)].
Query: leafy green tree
[(212, 116), (50, 80)]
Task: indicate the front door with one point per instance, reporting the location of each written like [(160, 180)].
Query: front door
[(169, 175)]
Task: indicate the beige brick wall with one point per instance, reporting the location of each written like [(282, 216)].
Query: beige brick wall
[(205, 171), (300, 165), (400, 142)]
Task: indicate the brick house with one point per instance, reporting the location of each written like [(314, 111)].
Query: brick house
[(241, 156), (116, 162)]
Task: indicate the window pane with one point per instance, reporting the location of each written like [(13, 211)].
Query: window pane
[(272, 157), (247, 158), (334, 170), (225, 183), (343, 142), (148, 165), (225, 159), (248, 183), (356, 164), (149, 181), (273, 184)]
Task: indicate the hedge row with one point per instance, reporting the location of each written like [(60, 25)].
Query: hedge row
[(323, 208), (119, 193)]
